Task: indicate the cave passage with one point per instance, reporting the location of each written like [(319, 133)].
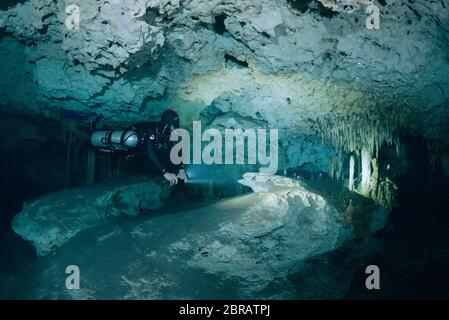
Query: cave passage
[(241, 150)]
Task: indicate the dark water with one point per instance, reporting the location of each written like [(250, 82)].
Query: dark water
[(415, 264), (15, 253)]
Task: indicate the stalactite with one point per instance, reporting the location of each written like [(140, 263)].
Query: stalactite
[(335, 166), (339, 166), (331, 167), (362, 134), (386, 193), (397, 144), (364, 187), (349, 133), (374, 178), (91, 157), (351, 173)]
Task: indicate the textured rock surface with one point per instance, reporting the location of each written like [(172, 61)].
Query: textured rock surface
[(285, 63), (245, 247), (54, 219), (344, 5)]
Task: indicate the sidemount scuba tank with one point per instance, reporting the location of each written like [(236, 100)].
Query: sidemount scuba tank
[(115, 141)]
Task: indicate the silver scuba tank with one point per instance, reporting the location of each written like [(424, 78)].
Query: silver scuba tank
[(110, 141)]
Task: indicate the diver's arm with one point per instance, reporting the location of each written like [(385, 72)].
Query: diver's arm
[(171, 177), (154, 158)]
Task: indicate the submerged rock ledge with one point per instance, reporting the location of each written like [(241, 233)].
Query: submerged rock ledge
[(245, 244), (54, 219)]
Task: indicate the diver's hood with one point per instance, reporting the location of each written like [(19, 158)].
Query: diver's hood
[(170, 118)]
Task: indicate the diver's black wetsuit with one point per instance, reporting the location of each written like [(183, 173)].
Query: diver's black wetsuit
[(155, 137)]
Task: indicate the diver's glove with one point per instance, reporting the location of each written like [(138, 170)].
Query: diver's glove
[(182, 175), (171, 177)]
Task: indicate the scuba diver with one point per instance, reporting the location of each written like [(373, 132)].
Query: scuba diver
[(152, 137)]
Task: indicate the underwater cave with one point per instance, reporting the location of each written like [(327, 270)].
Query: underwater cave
[(224, 150)]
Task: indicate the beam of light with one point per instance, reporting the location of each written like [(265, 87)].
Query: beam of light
[(203, 174), (197, 175), (198, 181)]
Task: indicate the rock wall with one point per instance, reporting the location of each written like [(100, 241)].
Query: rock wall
[(287, 63)]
